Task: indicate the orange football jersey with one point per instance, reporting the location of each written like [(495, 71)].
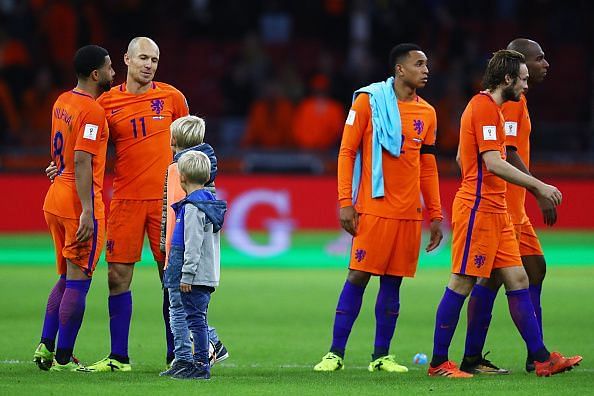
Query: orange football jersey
[(175, 193), (517, 134), (139, 126), (402, 186), (481, 130), (78, 124)]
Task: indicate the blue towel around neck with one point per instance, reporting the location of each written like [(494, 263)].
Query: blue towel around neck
[(387, 133)]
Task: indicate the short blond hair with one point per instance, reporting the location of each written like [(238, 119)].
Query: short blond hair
[(188, 131), (195, 166)]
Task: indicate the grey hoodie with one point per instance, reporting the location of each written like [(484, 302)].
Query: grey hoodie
[(195, 246)]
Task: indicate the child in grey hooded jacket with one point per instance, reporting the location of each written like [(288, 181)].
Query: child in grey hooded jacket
[(194, 258)]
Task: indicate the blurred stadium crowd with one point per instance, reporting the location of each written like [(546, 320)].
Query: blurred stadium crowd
[(274, 78)]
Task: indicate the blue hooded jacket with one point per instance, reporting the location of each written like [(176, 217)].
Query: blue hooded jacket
[(194, 257), (213, 209)]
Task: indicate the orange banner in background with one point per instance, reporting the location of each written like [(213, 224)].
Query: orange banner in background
[(262, 201)]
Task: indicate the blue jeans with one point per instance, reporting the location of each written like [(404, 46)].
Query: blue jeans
[(181, 335), (179, 327), (196, 306)]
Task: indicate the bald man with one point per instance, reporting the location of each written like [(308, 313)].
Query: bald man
[(139, 113), (517, 141)]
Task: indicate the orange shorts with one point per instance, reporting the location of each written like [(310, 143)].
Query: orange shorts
[(482, 242), (83, 254), (127, 223), (386, 246), (527, 239)]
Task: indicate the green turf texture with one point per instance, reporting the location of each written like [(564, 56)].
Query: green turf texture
[(277, 323), (309, 249)]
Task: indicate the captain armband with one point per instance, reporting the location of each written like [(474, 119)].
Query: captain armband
[(429, 149)]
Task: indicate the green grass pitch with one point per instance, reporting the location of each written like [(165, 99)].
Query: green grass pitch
[(276, 324)]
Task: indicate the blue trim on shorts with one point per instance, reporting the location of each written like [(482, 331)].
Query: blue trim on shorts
[(477, 201)]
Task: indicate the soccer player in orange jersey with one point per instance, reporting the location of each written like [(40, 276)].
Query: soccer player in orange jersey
[(517, 141), (384, 215), (73, 206), (483, 240), (139, 113)]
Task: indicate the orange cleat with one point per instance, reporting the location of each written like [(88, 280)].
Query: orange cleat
[(448, 369), (556, 364)]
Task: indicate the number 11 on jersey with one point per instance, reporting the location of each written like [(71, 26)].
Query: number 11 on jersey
[(134, 129)]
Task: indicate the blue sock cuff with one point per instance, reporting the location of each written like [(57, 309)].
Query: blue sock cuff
[(455, 295), (395, 281), (535, 287), (355, 288), (517, 292), (63, 276), (483, 291), (82, 285), (122, 296)]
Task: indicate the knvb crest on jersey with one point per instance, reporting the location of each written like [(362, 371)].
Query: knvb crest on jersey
[(157, 105), (418, 126)]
